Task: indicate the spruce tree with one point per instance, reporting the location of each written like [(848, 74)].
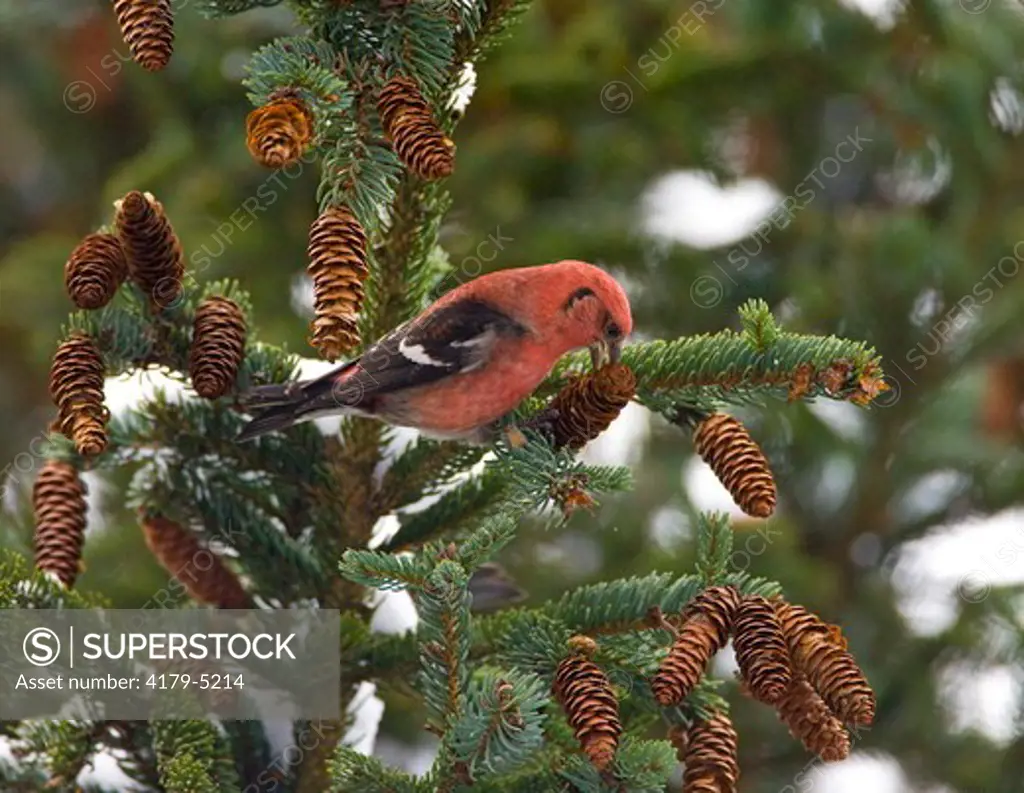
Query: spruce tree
[(596, 690)]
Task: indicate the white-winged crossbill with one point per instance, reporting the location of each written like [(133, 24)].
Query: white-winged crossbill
[(466, 361)]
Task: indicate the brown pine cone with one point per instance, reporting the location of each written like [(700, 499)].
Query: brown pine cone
[(738, 462), (400, 94), (58, 500), (202, 574), (155, 259), (95, 271), (831, 670), (679, 737), (707, 622), (587, 697), (761, 650), (584, 408), (811, 722), (278, 133), (337, 265), (710, 759), (410, 125), (218, 346), (148, 29), (76, 387)]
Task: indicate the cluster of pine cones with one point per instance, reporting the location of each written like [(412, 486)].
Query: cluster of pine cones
[(788, 658), (145, 249)]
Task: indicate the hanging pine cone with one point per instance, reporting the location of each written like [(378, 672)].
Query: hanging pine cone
[(725, 445), (155, 259), (585, 407), (337, 265), (409, 124), (586, 695), (400, 95), (831, 670), (278, 133), (218, 345), (761, 650), (95, 270), (201, 573), (679, 737), (76, 387), (58, 500), (148, 29), (707, 621), (811, 722), (711, 762)]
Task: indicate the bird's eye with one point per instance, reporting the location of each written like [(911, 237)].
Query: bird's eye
[(613, 331)]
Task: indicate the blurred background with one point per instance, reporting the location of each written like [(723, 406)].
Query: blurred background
[(857, 164)]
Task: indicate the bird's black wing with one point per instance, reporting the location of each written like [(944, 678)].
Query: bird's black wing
[(454, 339)]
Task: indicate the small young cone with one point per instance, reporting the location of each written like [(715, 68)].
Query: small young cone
[(278, 133), (148, 29), (831, 670), (58, 501), (705, 630), (409, 124), (218, 345), (738, 462), (811, 722), (95, 270), (589, 404), (587, 697), (155, 259), (711, 762), (76, 387), (200, 572), (761, 650), (337, 265)]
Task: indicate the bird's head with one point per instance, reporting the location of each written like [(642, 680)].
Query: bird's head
[(592, 308)]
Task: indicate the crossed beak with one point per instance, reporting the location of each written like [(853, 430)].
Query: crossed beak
[(602, 353)]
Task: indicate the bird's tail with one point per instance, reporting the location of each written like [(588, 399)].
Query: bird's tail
[(279, 406), (273, 407)]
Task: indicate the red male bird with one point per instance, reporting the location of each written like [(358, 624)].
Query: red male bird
[(469, 359)]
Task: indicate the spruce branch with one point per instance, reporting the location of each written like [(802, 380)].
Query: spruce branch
[(453, 513), (351, 770), (384, 571), (444, 636), (419, 42), (502, 726), (301, 66), (640, 767), (714, 546), (759, 326), (222, 8), (423, 469), (191, 757)]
